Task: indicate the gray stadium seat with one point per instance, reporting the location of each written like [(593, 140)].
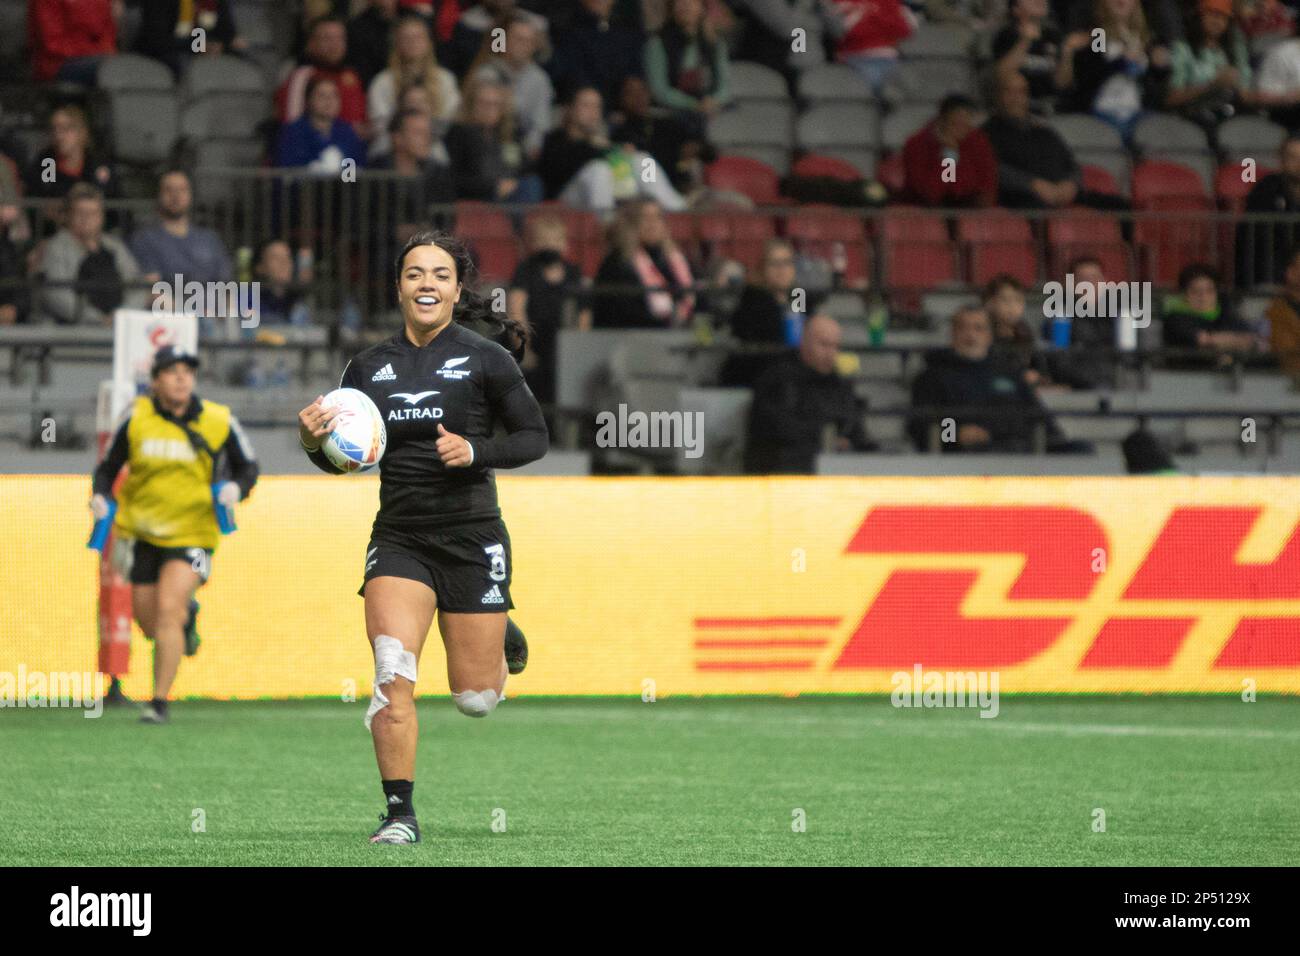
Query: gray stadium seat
[(127, 71), (837, 125), (13, 32), (1165, 133), (1081, 131), (938, 41), (145, 125), (902, 122), (1201, 161), (753, 81), (1114, 161), (726, 424), (928, 81), (764, 123), (1251, 136), (833, 81), (224, 96)]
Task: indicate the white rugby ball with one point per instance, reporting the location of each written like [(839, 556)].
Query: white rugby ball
[(359, 437)]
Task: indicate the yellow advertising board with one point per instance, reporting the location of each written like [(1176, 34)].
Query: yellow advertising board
[(734, 586)]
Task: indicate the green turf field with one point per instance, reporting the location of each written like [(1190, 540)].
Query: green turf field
[(715, 781)]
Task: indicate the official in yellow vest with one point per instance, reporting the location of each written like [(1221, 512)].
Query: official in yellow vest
[(179, 449)]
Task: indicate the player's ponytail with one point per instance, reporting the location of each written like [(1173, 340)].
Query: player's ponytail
[(473, 309)]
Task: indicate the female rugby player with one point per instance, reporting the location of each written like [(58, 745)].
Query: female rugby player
[(438, 542), (166, 527)]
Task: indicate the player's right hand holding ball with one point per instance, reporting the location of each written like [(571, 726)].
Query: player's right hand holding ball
[(315, 422)]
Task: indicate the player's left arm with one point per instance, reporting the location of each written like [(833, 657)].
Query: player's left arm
[(513, 404)]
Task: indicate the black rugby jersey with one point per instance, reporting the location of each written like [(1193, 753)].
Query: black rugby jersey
[(467, 384)]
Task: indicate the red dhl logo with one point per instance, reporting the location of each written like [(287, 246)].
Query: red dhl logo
[(916, 615)]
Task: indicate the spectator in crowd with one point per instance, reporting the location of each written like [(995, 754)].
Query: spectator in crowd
[(578, 140), (644, 281), (1113, 75), (1263, 247), (1283, 317), (168, 31), (765, 29), (798, 399), (1210, 73), (1036, 169), (67, 39), (546, 287), (370, 38), (637, 123), (412, 63), (530, 87), (1198, 318), (1015, 339), (989, 405), (1145, 454), (1165, 18), (1029, 44), (618, 175), (1277, 83), (325, 56), (949, 161), (686, 66), (320, 140), (765, 315), (1091, 355), (88, 273), (174, 245), (280, 297), (487, 160), (71, 158), (428, 182), (14, 233), (1266, 18), (473, 28), (593, 51), (872, 30)]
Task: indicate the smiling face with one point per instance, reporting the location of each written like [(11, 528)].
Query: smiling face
[(427, 289)]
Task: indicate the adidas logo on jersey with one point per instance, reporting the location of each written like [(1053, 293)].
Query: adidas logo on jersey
[(450, 369), (385, 374), (494, 596)]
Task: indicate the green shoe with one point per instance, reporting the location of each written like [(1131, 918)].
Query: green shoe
[(192, 639)]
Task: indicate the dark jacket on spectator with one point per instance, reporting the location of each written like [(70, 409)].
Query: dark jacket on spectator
[(793, 405), (759, 319), (157, 37), (62, 30), (663, 138), (369, 41), (1028, 151), (1262, 247), (561, 158), (589, 53), (989, 392), (479, 161)]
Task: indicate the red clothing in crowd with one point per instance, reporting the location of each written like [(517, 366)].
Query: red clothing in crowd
[(291, 97), (59, 30), (870, 25), (974, 175)]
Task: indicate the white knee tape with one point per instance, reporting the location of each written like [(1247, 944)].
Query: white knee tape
[(392, 660), (477, 703)]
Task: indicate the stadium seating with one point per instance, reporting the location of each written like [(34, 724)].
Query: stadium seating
[(743, 175), (817, 230), (997, 242), (845, 131), (145, 111), (832, 82), (815, 164), (491, 236), (928, 81), (757, 130)]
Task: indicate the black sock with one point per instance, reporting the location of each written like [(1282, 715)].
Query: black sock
[(159, 705), (397, 794)]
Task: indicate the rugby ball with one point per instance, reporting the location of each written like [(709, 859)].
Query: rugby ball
[(359, 437)]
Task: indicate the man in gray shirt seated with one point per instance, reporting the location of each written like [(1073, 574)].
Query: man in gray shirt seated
[(174, 245)]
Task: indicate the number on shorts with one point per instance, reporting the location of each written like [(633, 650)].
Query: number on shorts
[(199, 561), (497, 553)]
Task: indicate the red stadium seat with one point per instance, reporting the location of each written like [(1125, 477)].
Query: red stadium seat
[(988, 259), (816, 230), (747, 176), (920, 265), (1115, 257), (815, 164), (1099, 180), (913, 223), (993, 226), (1157, 180), (491, 236), (1231, 189), (1168, 243), (583, 233), (738, 235), (1082, 227)]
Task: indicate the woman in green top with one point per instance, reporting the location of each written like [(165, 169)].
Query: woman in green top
[(686, 65), (1210, 71)]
